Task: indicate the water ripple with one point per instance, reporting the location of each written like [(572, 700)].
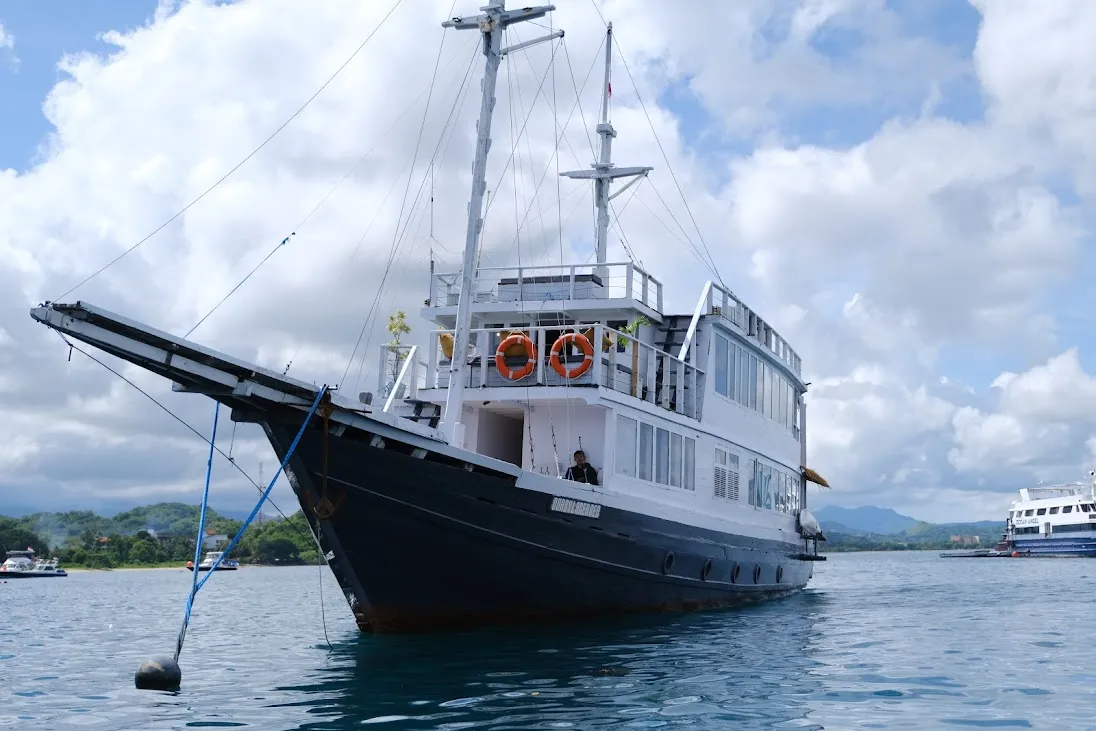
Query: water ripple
[(880, 641)]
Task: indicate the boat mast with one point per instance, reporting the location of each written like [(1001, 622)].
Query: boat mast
[(491, 23), (602, 171)]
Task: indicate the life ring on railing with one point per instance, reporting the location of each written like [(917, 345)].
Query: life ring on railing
[(530, 353), (587, 355)]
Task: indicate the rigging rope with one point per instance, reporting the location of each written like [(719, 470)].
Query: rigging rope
[(168, 411), (239, 164), (197, 585)]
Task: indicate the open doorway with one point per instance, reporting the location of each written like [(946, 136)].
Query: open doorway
[(499, 435)]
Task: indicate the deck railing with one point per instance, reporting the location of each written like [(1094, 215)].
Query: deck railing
[(622, 280), (622, 363), (716, 300), (402, 373)]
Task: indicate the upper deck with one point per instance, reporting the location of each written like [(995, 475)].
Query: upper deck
[(578, 288)]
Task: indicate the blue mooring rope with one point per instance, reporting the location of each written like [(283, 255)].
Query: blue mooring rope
[(196, 585)]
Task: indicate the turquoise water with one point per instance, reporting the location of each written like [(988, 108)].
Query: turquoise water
[(880, 641)]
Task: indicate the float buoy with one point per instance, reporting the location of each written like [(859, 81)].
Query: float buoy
[(160, 673)]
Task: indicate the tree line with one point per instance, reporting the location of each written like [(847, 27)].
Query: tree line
[(162, 534)]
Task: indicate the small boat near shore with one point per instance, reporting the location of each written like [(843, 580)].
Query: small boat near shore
[(210, 559), (24, 565)]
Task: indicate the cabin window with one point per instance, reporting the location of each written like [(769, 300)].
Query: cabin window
[(675, 460), (742, 367), (646, 451), (626, 446), (1041, 511), (1066, 509), (752, 385), (1028, 513), (1087, 507), (1054, 511), (689, 476), (722, 359), (662, 456)]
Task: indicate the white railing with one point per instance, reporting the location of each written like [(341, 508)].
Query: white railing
[(622, 280), (401, 374), (715, 300), (622, 363)]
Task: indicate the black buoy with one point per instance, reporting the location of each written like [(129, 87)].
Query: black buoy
[(160, 673)]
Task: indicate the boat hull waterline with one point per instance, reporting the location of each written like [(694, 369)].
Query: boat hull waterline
[(421, 546)]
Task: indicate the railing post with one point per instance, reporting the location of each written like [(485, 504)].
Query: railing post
[(614, 372), (414, 356), (652, 367), (381, 371), (679, 386), (599, 335), (628, 283), (483, 343), (571, 283), (541, 355), (645, 283), (432, 360), (658, 291)]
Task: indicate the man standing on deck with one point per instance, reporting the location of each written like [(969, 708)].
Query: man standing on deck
[(580, 471)]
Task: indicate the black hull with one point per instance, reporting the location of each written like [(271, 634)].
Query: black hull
[(29, 575), (200, 569), (422, 543)]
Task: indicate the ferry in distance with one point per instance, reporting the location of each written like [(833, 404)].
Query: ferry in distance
[(1057, 520)]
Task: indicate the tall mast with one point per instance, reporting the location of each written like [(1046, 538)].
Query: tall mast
[(602, 171), (494, 19)]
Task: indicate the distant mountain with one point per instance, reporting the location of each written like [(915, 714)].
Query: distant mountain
[(866, 519)]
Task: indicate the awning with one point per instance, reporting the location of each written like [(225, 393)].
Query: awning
[(814, 477)]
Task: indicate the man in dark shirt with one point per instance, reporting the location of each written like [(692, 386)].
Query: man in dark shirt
[(580, 471)]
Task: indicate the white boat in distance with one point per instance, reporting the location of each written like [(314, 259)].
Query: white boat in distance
[(23, 565), (450, 502), (211, 558), (1054, 520)]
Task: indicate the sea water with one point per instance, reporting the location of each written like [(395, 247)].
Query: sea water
[(879, 640)]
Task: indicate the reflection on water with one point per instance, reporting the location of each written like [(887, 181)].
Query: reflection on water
[(888, 641)]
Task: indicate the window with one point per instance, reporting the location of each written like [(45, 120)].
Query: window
[(767, 484), (675, 460), (721, 362), (751, 386), (1028, 513), (743, 368), (662, 457), (689, 478), (751, 471), (625, 446), (761, 386), (1054, 511), (730, 371), (1041, 511), (1088, 507), (1066, 509), (646, 451), (785, 405), (719, 475)]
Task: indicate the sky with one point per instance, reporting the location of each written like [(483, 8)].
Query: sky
[(903, 188)]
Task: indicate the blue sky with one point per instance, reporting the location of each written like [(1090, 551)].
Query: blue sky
[(44, 32)]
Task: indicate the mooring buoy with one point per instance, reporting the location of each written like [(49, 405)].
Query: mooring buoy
[(161, 673)]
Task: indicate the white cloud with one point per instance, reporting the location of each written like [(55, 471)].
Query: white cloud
[(873, 258), (7, 47)]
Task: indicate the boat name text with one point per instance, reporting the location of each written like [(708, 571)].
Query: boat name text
[(575, 507)]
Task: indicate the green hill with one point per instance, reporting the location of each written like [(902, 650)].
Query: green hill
[(163, 533)]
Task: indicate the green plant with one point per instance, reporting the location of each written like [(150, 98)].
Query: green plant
[(631, 329), (397, 327)]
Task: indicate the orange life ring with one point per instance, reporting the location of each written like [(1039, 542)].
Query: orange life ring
[(530, 352), (587, 351)]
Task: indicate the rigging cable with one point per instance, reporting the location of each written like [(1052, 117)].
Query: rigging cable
[(414, 158), (315, 208), (239, 164), (665, 157), (73, 346)]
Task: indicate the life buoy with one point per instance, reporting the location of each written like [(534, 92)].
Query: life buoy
[(530, 352), (587, 355)]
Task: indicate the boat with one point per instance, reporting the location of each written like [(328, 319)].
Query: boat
[(24, 565), (210, 559), (1054, 520), (563, 446)]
